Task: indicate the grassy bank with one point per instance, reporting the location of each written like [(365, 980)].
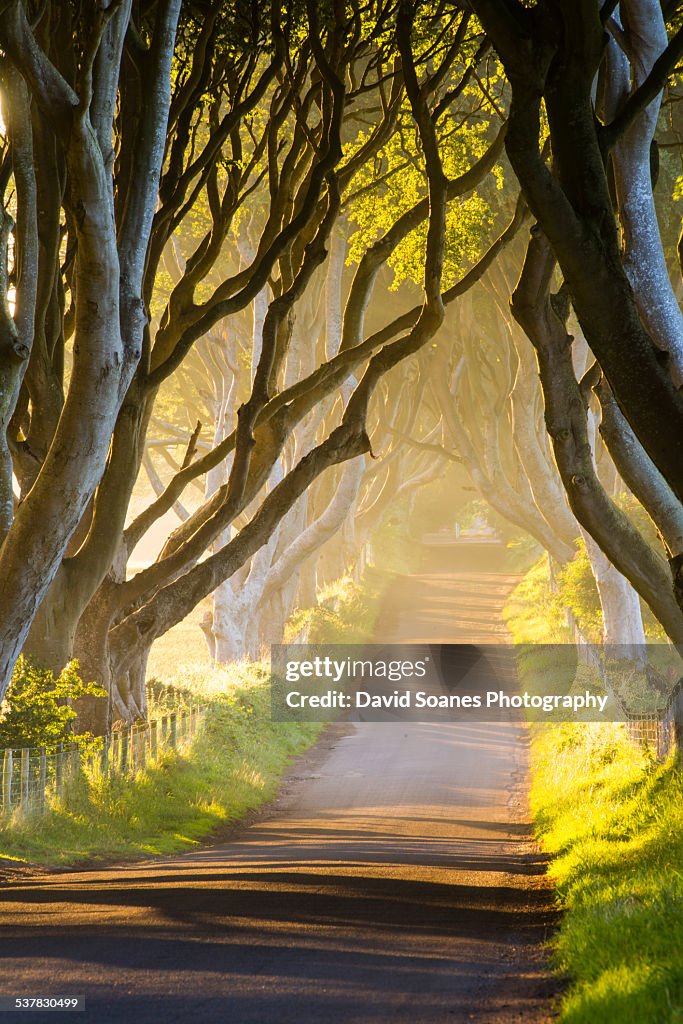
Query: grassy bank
[(612, 821), (233, 767)]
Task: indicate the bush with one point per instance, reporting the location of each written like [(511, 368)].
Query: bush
[(578, 592), (37, 709), (346, 612), (536, 609)]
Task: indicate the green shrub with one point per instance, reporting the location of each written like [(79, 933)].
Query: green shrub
[(536, 611), (576, 585), (346, 612), (37, 709), (232, 767), (577, 591)]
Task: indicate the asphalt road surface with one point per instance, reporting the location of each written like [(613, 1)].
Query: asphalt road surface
[(393, 880)]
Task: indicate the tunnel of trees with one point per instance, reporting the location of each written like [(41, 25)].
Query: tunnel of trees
[(277, 267)]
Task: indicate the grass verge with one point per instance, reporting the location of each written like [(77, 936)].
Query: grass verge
[(611, 819), (233, 767)]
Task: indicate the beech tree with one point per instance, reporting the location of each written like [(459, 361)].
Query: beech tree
[(60, 88), (487, 392), (598, 71), (201, 116)]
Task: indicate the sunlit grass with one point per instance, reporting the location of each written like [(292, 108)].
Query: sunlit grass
[(532, 610), (612, 820), (182, 648), (232, 768)]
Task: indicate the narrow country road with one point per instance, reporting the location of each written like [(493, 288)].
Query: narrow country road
[(394, 880)]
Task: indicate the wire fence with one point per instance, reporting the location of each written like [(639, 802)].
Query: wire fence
[(32, 777), (661, 730)]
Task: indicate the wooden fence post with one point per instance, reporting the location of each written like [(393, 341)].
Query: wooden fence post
[(42, 778), (7, 773), (59, 768), (25, 766), (126, 751)]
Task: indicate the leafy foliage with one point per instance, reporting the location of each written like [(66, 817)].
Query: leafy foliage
[(578, 592), (37, 710), (537, 609), (395, 182), (345, 613)]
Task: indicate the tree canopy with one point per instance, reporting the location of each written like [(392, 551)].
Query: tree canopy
[(205, 207)]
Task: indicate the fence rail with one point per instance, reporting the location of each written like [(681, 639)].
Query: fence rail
[(31, 777)]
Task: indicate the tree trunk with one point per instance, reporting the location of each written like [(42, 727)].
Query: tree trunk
[(566, 413), (622, 621), (109, 316)]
